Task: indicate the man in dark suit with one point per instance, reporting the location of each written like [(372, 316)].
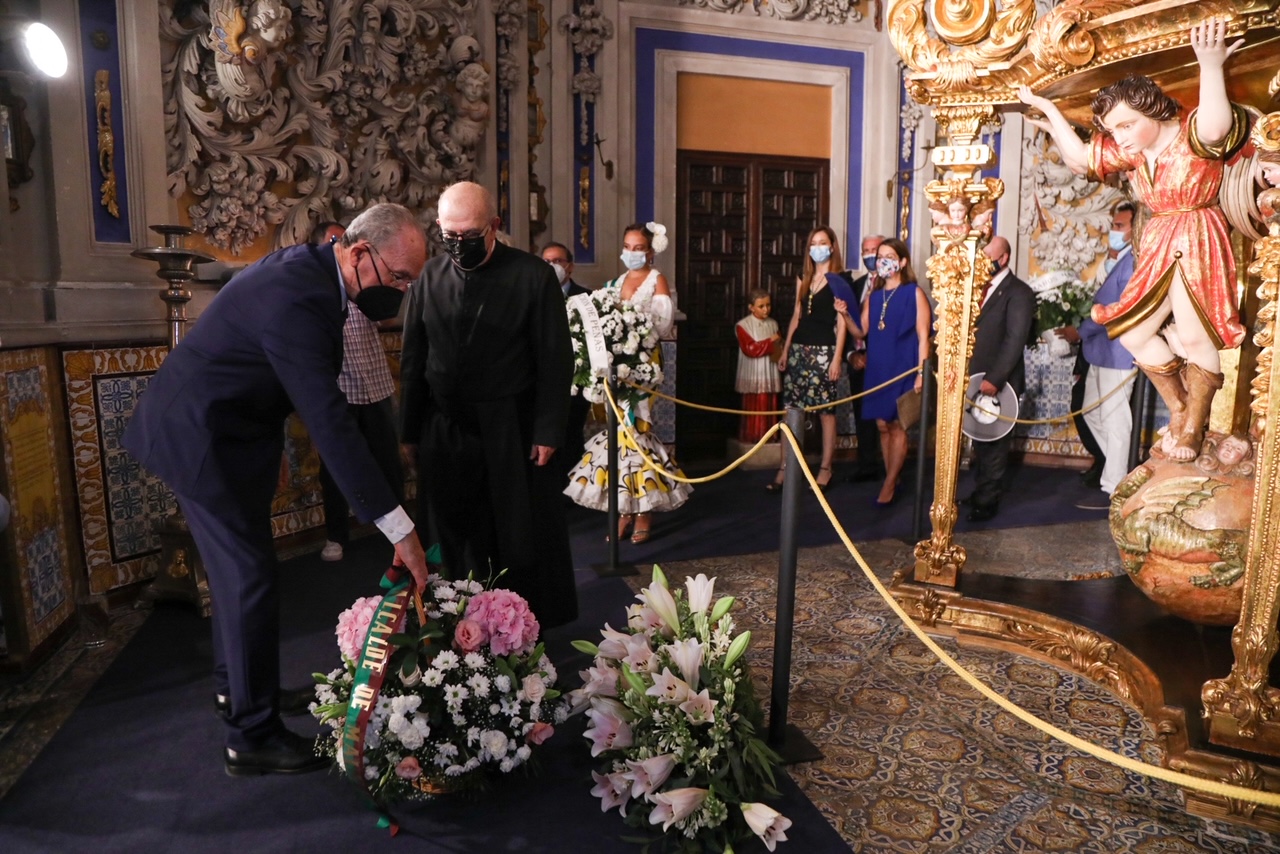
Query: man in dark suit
[(211, 426), (870, 465), (568, 454), (1003, 327)]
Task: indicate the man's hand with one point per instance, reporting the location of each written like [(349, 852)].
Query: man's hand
[(410, 555), (541, 454), (988, 389), (1069, 333)]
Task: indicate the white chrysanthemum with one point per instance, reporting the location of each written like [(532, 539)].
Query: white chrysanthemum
[(444, 591), (459, 719), (449, 607), (455, 693), (503, 683), (432, 678), (479, 684), (454, 770), (474, 660), (445, 660), (473, 734)]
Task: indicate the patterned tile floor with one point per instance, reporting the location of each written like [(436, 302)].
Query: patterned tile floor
[(914, 760)]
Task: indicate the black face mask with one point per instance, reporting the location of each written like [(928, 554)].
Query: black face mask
[(381, 302), (467, 252)]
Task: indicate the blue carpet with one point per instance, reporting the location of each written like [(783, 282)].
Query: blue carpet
[(138, 765), (735, 515)]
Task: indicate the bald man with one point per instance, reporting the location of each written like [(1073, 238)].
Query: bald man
[(484, 373), (1002, 331)]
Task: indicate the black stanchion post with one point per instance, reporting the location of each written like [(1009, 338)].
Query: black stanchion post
[(1137, 406), (790, 743), (926, 413), (613, 568)]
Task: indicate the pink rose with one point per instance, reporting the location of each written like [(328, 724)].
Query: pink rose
[(469, 635), (534, 689), (353, 626), (409, 769), (506, 619), (539, 733)]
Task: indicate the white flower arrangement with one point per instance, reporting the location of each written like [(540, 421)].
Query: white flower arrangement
[(630, 338), (659, 242), (468, 691), (675, 719), (1061, 300)]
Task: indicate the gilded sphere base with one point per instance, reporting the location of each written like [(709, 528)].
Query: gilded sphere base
[(1182, 531)]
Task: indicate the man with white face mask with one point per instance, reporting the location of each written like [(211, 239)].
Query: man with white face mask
[(561, 260), (1111, 422)]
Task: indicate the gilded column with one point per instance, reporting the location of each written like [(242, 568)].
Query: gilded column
[(1242, 709)]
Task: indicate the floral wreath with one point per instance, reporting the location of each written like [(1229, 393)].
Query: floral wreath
[(659, 232)]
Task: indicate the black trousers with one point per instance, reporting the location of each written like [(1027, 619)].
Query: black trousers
[(1087, 439), (870, 460), (990, 464), (377, 423)]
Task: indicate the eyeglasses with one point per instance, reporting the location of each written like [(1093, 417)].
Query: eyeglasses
[(397, 276), (459, 236)]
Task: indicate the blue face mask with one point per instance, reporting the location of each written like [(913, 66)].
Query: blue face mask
[(819, 253), (869, 261), (634, 259), (1116, 240)]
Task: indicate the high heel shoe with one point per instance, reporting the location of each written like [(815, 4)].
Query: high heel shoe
[(641, 534), (822, 487), (624, 526), (775, 486)]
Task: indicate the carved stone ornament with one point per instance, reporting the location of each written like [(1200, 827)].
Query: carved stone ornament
[(350, 103), (1068, 210), (826, 11), (588, 29)]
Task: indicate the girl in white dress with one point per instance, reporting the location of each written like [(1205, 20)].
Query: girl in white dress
[(640, 491)]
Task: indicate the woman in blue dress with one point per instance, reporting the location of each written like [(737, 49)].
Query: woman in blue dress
[(895, 323)]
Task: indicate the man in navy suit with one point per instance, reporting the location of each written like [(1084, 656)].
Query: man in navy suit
[(1003, 327), (568, 454), (211, 426)]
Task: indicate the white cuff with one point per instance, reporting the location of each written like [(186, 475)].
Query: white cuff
[(396, 525), (663, 311)]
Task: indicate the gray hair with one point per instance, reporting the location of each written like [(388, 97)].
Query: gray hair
[(382, 225)]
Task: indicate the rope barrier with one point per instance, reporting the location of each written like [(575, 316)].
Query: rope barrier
[(1176, 778), (1055, 420), (820, 406)]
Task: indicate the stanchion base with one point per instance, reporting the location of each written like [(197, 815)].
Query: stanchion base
[(620, 570), (796, 747)]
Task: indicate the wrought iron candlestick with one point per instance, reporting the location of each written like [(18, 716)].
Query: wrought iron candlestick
[(176, 267), (181, 573)]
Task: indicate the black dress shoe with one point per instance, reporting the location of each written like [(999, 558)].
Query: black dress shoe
[(283, 753), (982, 512), (290, 702)]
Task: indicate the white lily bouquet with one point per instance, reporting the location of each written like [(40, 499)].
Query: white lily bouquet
[(619, 334), (674, 719), (427, 700)]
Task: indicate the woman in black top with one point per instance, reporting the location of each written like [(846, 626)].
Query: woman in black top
[(814, 348)]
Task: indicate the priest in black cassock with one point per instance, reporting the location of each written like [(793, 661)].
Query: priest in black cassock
[(485, 364)]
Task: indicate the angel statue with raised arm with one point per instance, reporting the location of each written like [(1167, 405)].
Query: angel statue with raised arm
[(1184, 269)]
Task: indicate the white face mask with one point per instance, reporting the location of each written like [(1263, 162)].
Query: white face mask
[(634, 259), (820, 253), (561, 272)]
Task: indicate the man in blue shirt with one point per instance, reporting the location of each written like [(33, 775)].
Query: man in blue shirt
[(1110, 364)]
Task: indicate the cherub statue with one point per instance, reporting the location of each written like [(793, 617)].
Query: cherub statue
[(1186, 268), (473, 108)]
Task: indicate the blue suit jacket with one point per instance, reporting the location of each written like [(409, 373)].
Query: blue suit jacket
[(210, 423)]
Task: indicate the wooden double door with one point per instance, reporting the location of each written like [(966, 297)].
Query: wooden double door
[(742, 223)]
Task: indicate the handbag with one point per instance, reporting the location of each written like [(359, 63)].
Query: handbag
[(909, 409)]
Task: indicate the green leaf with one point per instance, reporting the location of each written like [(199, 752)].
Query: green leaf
[(402, 639), (586, 647)]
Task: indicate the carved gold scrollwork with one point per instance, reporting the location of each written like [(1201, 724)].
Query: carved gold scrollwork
[(1085, 652), (106, 140), (982, 37), (930, 608), (1246, 775)]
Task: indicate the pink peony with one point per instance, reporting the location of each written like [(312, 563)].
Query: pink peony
[(506, 619), (409, 768), (539, 733), (353, 626), (469, 635)]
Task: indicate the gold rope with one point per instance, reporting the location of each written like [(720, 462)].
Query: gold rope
[(1066, 417), (705, 408), (1176, 778)]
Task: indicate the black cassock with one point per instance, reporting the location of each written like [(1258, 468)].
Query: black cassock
[(485, 367)]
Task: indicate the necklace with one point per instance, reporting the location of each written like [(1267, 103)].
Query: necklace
[(884, 306), (813, 291)]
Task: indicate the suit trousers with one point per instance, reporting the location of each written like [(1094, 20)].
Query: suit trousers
[(1111, 422), (377, 424), (239, 557), (990, 463)]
